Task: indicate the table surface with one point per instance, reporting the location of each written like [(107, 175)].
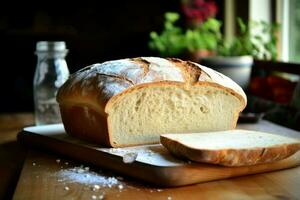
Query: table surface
[(49, 176)]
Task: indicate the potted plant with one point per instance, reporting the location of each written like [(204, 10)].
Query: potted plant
[(199, 38), (201, 41), (193, 42), (257, 40)]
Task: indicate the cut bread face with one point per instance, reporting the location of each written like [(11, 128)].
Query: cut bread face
[(231, 148), (132, 101), (141, 115)]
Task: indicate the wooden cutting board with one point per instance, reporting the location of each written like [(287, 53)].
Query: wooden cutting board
[(153, 163)]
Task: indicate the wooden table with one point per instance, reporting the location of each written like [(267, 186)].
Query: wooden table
[(49, 176)]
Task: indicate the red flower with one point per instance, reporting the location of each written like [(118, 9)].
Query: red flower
[(199, 10)]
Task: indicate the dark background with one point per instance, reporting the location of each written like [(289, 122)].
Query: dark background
[(94, 31)]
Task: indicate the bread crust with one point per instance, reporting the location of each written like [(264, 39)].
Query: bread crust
[(98, 87), (231, 157)]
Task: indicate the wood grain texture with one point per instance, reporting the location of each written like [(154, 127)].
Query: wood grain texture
[(158, 168), (40, 181), (12, 155)]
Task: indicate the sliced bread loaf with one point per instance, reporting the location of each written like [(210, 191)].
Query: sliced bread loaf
[(132, 101), (231, 148)]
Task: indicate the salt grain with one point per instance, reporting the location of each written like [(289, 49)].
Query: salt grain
[(121, 187), (94, 197), (80, 170), (33, 164), (67, 188), (96, 187), (57, 160), (101, 197)]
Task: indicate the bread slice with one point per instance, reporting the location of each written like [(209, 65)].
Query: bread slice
[(231, 148), (132, 101)]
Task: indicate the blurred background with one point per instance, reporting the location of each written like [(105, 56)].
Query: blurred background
[(198, 30)]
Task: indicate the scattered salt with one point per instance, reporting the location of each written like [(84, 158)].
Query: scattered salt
[(80, 175), (67, 188), (129, 157), (57, 160)]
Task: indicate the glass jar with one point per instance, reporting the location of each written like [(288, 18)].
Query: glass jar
[(51, 72)]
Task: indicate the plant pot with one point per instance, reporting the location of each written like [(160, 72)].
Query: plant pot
[(238, 68)]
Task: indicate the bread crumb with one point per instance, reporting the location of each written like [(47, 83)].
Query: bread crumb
[(129, 157), (94, 197), (169, 198), (67, 188)]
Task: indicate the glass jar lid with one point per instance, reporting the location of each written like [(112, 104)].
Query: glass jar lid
[(50, 46)]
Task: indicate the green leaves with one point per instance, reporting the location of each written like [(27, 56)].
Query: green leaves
[(172, 17), (170, 42), (173, 41), (257, 38)]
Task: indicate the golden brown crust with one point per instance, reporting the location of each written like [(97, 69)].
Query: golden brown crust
[(99, 86), (83, 122), (231, 157)]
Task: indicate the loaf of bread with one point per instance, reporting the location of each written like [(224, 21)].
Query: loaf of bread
[(132, 101), (231, 148)]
